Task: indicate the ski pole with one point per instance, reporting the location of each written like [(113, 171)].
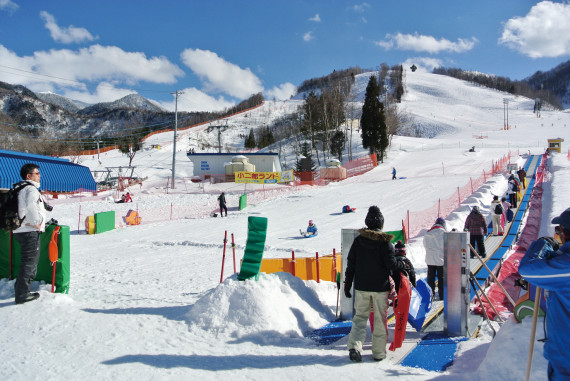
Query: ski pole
[(234, 251), (473, 282), (337, 292), (533, 332), (492, 275), (472, 276), (224, 256)]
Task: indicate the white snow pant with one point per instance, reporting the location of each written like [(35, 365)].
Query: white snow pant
[(363, 300), (497, 228)]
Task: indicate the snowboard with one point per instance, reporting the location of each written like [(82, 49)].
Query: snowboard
[(420, 304), (401, 312)]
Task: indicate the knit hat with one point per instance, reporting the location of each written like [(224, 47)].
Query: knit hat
[(440, 221), (476, 209), (400, 248), (374, 219)]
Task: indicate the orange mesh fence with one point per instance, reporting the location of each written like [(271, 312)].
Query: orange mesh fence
[(416, 221)]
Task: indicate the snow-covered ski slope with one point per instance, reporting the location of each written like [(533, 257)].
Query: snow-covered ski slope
[(145, 302)]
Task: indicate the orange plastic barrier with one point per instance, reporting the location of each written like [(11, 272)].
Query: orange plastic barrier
[(305, 268)]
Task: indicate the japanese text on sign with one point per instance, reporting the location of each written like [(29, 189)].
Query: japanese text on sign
[(264, 177)]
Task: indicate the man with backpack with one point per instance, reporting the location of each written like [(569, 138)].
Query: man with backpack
[(496, 214), (32, 212)]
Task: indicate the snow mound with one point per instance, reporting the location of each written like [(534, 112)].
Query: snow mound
[(274, 307)]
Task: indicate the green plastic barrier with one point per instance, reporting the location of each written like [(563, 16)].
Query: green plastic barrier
[(104, 221), (398, 236), (45, 271), (256, 233), (242, 201)]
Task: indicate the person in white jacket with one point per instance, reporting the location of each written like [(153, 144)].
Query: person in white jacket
[(433, 243), (31, 208)]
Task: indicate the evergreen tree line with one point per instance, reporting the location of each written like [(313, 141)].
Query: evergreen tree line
[(522, 88)]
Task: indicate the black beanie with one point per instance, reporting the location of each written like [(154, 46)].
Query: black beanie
[(374, 218)]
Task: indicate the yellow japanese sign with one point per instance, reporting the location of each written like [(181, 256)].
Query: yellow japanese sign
[(264, 177)]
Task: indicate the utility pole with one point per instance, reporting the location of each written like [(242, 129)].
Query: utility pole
[(176, 93), (98, 141), (220, 135)]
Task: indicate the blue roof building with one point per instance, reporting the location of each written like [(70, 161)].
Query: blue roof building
[(58, 175)]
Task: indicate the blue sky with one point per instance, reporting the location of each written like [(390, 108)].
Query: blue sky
[(220, 52)]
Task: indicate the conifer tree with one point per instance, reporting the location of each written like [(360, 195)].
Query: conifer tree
[(250, 140), (306, 156), (373, 121)]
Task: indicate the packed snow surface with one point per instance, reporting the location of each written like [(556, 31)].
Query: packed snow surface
[(146, 301)]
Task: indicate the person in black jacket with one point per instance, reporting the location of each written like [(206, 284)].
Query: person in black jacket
[(400, 254), (222, 201), (370, 262)]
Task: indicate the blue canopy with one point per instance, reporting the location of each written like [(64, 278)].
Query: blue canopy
[(58, 175)]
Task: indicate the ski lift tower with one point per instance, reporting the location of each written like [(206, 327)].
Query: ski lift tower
[(219, 127)]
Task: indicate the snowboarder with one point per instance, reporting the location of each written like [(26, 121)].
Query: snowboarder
[(393, 173), (312, 230), (347, 209), (128, 197), (222, 200)]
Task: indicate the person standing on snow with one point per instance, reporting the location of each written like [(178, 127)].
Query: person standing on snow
[(433, 243), (476, 225), (547, 266), (400, 255), (370, 262), (496, 215), (512, 191), (393, 173), (222, 201), (32, 209)]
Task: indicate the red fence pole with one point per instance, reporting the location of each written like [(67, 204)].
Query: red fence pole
[(293, 263), (234, 251), (458, 198), (471, 181), (318, 273), (171, 213), (224, 256)]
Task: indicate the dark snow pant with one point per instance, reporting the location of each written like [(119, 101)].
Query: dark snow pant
[(513, 200), (29, 257), (222, 208), (432, 272), (478, 243)]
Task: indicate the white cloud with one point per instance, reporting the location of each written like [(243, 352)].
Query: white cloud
[(543, 32), (283, 92), (8, 5), (104, 92), (424, 64), (361, 7), (196, 100), (317, 18), (221, 75), (62, 71), (429, 44), (97, 63), (308, 36), (66, 35)]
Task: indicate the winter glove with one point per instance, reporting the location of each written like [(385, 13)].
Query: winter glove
[(347, 287)]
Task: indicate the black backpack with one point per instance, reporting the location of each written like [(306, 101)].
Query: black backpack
[(498, 209), (515, 186), (9, 219)]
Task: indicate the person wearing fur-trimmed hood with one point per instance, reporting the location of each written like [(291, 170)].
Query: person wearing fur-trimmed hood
[(370, 262)]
